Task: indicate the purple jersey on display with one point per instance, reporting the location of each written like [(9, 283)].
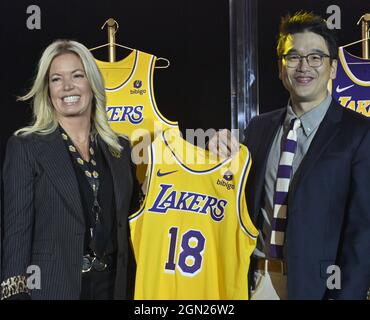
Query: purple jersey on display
[(351, 87)]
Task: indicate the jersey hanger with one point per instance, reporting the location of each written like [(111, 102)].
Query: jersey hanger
[(352, 43), (365, 20), (355, 42), (112, 30)]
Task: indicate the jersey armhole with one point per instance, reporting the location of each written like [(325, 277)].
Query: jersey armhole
[(156, 111), (245, 221), (148, 185)]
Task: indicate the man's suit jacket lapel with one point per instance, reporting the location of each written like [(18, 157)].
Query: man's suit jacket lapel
[(265, 140), (325, 133), (56, 161)]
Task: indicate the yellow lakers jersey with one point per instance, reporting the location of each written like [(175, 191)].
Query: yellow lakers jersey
[(193, 237), (131, 107)]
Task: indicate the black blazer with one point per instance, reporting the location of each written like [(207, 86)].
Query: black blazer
[(43, 218), (328, 205)]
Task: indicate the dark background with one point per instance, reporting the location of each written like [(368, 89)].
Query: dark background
[(192, 34)]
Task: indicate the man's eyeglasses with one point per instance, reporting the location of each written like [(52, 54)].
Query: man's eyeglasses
[(314, 60)]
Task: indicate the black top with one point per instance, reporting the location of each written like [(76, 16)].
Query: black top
[(105, 198)]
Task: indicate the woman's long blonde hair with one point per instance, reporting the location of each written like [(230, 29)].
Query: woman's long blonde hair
[(44, 119)]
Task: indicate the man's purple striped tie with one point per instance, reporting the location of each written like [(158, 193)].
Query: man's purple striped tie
[(283, 177)]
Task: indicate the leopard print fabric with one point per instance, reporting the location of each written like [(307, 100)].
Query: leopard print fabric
[(12, 286)]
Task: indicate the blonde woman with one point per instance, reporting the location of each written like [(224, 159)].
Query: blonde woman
[(69, 185)]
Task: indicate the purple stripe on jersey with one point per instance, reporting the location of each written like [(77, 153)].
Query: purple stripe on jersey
[(290, 146), (284, 171), (281, 197), (276, 250), (278, 224)]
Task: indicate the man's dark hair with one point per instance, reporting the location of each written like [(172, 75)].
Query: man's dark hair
[(306, 22)]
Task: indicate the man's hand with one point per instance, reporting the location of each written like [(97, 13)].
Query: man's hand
[(223, 144)]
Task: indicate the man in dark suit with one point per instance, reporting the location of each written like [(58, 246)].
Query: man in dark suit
[(315, 243)]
